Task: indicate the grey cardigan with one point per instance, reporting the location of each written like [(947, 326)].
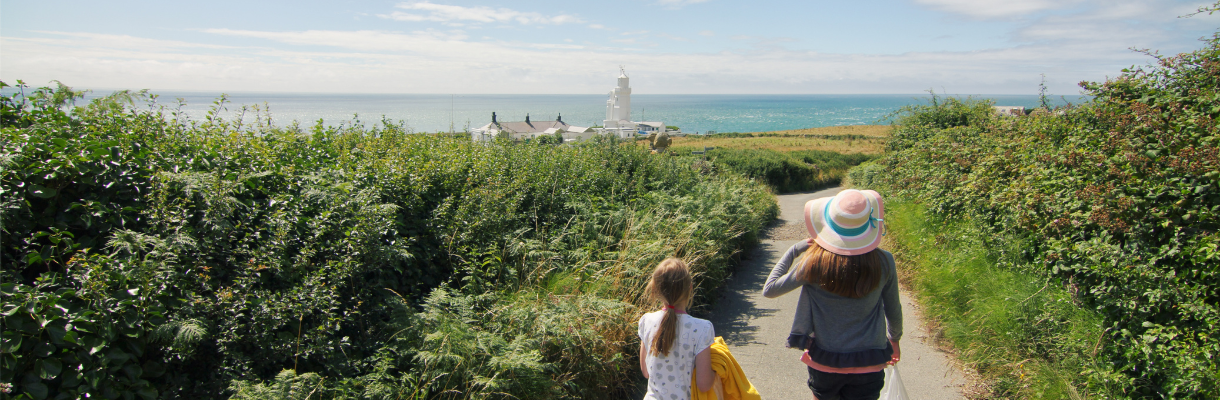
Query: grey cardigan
[(838, 331)]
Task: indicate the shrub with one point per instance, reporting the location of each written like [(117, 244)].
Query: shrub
[(149, 255), (1120, 197)]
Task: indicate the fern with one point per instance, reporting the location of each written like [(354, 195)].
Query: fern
[(181, 335)]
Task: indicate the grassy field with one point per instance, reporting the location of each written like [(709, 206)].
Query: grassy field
[(855, 139)]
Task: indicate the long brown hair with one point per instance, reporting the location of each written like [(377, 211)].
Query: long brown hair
[(671, 284), (847, 276)]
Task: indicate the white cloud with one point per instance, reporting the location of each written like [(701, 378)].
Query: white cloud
[(1096, 9), (449, 14), (673, 37), (1088, 41), (125, 41), (355, 40), (440, 62), (556, 46), (995, 8)]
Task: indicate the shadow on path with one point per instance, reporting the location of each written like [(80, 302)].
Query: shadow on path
[(736, 308)]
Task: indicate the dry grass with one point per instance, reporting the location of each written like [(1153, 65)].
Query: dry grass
[(881, 131), (866, 139)]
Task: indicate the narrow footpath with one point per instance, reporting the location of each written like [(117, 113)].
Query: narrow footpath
[(755, 327)]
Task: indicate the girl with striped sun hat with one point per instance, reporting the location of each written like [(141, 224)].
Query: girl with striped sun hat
[(848, 318)]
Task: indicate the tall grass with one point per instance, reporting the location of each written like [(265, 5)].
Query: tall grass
[(1025, 333), (787, 171)]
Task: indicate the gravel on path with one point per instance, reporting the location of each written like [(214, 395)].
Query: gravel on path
[(756, 328)]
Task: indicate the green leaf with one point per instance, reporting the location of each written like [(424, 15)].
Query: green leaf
[(36, 390), (42, 191), (153, 369), (50, 368), (56, 330), (117, 355), (43, 350), (70, 337), (71, 379), (10, 341), (95, 344), (133, 371), (148, 393)]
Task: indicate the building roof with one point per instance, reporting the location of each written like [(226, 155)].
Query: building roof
[(532, 126), (527, 127)]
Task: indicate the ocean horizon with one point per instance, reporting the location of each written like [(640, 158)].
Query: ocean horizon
[(692, 113)]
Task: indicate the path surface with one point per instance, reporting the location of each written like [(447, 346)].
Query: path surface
[(756, 327)]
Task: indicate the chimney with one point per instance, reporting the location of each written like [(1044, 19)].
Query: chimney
[(527, 119), (559, 118), (493, 117)]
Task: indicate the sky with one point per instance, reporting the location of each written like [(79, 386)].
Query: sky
[(577, 47)]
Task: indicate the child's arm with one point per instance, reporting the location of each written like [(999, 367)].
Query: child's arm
[(703, 370), (644, 359), (782, 280)]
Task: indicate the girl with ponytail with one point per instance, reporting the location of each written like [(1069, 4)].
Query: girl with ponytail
[(672, 342)]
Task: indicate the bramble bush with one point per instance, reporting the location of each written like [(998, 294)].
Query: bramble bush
[(1118, 199), (148, 255)]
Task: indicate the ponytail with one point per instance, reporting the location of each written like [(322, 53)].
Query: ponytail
[(671, 284), (666, 333)]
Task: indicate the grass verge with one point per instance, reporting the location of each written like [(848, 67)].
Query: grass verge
[(1023, 332)]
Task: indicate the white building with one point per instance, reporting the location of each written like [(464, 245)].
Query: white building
[(618, 112), (618, 122), (1009, 110), (529, 130)]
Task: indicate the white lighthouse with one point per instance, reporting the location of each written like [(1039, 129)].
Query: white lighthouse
[(618, 113), (618, 107)]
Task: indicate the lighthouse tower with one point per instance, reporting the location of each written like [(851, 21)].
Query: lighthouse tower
[(618, 106)]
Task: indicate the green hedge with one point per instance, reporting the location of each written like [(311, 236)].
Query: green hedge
[(147, 255), (788, 172), (1119, 199)]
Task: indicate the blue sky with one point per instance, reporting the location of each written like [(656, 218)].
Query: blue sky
[(571, 47)]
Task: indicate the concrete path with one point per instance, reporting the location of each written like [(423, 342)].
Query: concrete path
[(756, 327)]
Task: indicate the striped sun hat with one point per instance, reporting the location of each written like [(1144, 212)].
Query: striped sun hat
[(850, 223)]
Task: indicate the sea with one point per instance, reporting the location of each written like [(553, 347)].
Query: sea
[(692, 113)]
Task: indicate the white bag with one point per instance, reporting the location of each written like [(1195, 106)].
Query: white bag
[(893, 389)]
